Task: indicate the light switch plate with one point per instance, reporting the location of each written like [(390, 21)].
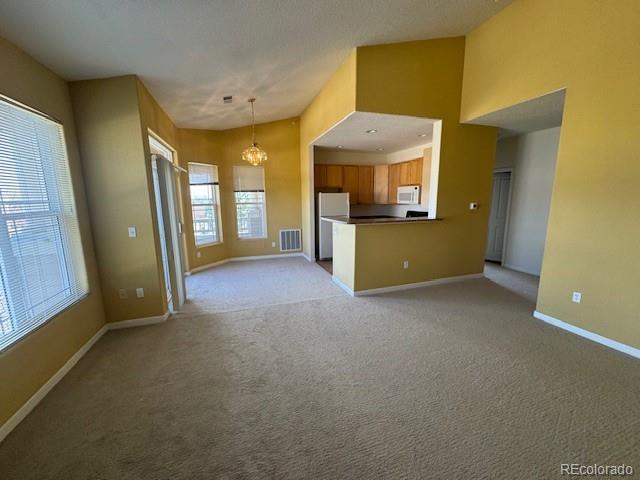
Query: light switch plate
[(576, 297), (122, 293), (140, 292), (132, 232)]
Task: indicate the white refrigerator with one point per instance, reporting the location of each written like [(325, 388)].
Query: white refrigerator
[(330, 205)]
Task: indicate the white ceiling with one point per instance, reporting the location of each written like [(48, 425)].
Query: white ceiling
[(535, 114), (394, 132), (191, 53)]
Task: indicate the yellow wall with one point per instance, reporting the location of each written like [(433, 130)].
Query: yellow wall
[(28, 364), (591, 48), (280, 139), (336, 100), (112, 146), (201, 146), (425, 79)]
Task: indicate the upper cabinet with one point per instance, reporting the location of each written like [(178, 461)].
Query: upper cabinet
[(320, 175), (381, 184), (350, 183), (334, 176), (367, 184), (411, 172)]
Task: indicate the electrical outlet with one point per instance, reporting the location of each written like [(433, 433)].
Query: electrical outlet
[(576, 297), (273, 244), (198, 254), (132, 232), (405, 264), (122, 293), (140, 292)]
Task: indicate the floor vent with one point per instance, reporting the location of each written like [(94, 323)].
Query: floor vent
[(290, 240)]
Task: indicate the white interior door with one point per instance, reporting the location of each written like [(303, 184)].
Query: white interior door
[(498, 215)]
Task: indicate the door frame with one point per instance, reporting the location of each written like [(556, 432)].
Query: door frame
[(172, 218), (511, 172)]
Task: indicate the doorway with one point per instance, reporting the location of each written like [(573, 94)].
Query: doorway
[(164, 176), (498, 215)]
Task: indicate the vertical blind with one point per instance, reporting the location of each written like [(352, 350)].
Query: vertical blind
[(42, 269), (251, 217), (204, 191)]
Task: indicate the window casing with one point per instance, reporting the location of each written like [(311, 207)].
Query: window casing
[(42, 270), (250, 200), (205, 205)]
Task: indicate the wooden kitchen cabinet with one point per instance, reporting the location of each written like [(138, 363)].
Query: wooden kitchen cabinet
[(350, 183), (320, 175), (415, 172), (365, 184), (381, 184), (411, 172), (405, 173), (394, 182), (334, 176)]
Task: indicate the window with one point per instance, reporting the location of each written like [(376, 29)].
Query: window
[(205, 207), (251, 214), (42, 269)]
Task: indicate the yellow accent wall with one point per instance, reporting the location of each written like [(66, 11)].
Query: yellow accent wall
[(424, 79), (591, 48), (115, 158), (201, 146), (335, 101), (280, 139), (28, 364)]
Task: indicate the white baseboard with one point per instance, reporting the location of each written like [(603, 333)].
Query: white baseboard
[(342, 285), (137, 322), (207, 266), (30, 404), (409, 286), (37, 397), (244, 259), (521, 270), (308, 258), (594, 337)]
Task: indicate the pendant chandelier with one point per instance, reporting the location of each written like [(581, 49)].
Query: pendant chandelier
[(254, 155)]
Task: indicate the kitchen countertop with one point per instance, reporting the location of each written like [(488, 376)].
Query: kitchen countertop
[(376, 220)]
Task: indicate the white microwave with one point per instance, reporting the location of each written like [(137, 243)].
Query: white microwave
[(409, 195)]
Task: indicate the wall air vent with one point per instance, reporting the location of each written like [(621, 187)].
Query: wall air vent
[(227, 99), (290, 240)]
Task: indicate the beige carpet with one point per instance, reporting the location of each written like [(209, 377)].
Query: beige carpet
[(240, 285), (456, 381), (519, 283)]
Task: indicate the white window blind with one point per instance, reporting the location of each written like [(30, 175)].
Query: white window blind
[(205, 207), (250, 201), (42, 269)]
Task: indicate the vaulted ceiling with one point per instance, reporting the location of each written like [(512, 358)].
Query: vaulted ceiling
[(192, 53)]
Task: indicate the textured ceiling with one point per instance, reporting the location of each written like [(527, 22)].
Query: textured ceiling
[(394, 132), (191, 53), (535, 114)]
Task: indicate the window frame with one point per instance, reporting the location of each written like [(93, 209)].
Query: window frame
[(265, 222), (215, 191), (73, 268)]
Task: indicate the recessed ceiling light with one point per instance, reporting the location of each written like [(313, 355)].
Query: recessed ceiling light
[(339, 146), (373, 130), (422, 135), (380, 149)]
